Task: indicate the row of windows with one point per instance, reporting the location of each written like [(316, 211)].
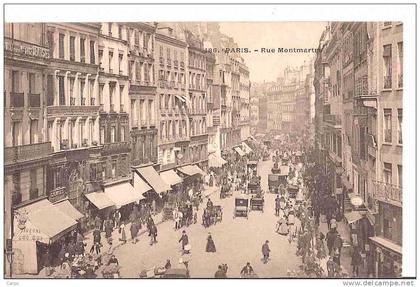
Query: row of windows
[(82, 45)]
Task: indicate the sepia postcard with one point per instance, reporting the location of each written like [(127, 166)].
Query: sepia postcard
[(213, 149)]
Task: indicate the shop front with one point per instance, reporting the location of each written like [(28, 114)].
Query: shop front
[(388, 258), (38, 227)]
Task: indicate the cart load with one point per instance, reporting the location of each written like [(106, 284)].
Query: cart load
[(241, 207)]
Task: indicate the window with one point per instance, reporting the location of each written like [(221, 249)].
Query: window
[(92, 52), (72, 48), (387, 173), (15, 81), (400, 64), (110, 58), (16, 133), (388, 125), (110, 29), (113, 139), (387, 56), (113, 168), (400, 115), (120, 59), (168, 53), (33, 192), (400, 176), (16, 184), (61, 94), (82, 50), (31, 83), (61, 46), (138, 71), (33, 131), (120, 32), (102, 135), (82, 98), (122, 130), (136, 38)]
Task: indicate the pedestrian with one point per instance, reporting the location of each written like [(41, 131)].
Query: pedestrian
[(96, 241), (117, 218), (331, 267), (370, 262), (210, 247), (220, 273), (108, 228), (277, 205), (175, 217), (265, 251), (98, 222), (123, 234), (247, 270), (338, 244), (153, 231), (134, 230), (331, 234), (168, 264), (183, 240), (47, 262), (356, 260)]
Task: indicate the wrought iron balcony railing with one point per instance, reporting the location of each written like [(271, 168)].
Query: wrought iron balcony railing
[(387, 192)]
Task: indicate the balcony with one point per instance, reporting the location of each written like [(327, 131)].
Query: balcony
[(92, 101), (176, 64), (72, 101), (162, 84), (400, 80), (161, 61), (83, 101), (121, 108), (17, 100), (58, 111), (387, 82), (387, 192), (182, 65), (17, 154), (116, 148), (34, 100), (169, 63)]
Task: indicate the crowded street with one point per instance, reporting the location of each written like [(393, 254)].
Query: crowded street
[(236, 239)]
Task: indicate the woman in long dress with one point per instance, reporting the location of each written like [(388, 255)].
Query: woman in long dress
[(210, 247), (283, 228)]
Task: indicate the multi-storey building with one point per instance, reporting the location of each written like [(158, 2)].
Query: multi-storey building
[(197, 106), (142, 93), (358, 82), (213, 104), (73, 106), (172, 91), (253, 107), (244, 89), (26, 148)]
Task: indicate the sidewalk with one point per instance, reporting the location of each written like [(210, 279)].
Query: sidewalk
[(346, 251)]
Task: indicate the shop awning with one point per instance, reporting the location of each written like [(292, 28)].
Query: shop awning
[(246, 148), (139, 184), (153, 178), (353, 216), (67, 208), (170, 177), (123, 193), (216, 161), (49, 221), (239, 151), (99, 199), (191, 170), (387, 244)]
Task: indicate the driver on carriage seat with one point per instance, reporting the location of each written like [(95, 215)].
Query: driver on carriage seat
[(209, 203)]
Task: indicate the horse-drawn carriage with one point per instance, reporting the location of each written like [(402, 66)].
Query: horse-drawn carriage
[(257, 202), (292, 190), (252, 164), (212, 215), (167, 212), (241, 207), (226, 190)]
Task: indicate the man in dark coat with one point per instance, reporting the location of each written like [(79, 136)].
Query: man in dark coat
[(210, 247), (183, 240), (265, 251), (220, 273), (338, 244), (134, 230), (153, 231), (331, 234), (247, 270), (277, 205)]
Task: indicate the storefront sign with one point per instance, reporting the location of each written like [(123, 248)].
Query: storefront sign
[(27, 49)]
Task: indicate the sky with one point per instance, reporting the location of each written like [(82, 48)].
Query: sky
[(256, 35)]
